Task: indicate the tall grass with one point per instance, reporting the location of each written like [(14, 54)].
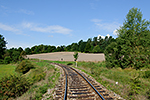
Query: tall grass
[(132, 84)]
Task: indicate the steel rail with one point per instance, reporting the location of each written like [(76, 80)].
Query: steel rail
[(90, 84), (65, 95)]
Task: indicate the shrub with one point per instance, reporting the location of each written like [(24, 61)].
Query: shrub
[(135, 86), (70, 64), (37, 75), (7, 60), (147, 74), (43, 89), (24, 67), (13, 86), (1, 61)]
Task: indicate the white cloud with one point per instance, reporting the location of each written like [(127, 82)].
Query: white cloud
[(47, 29), (26, 12), (103, 37), (96, 20), (108, 35), (8, 28), (115, 32), (110, 27), (13, 29), (9, 10)]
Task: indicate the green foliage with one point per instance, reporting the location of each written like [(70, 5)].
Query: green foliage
[(76, 56), (28, 50), (131, 48), (69, 63), (97, 49), (87, 48), (1, 61), (13, 86), (135, 86), (43, 89), (147, 74), (15, 56), (7, 60), (37, 74), (2, 46), (74, 47), (6, 69), (24, 67)]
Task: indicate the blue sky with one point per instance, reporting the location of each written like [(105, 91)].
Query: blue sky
[(25, 23)]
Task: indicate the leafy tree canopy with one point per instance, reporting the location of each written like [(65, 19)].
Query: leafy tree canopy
[(131, 48), (2, 46)]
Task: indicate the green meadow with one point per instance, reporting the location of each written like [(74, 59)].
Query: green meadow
[(7, 69)]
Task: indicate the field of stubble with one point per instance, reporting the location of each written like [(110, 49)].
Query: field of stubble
[(68, 56)]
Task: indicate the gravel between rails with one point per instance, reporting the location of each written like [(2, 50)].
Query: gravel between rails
[(68, 56)]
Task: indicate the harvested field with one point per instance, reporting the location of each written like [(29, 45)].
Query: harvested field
[(68, 56)]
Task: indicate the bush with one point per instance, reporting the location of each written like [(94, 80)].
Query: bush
[(7, 60), (13, 86), (135, 86), (24, 67), (147, 74), (70, 64), (1, 61), (37, 75)]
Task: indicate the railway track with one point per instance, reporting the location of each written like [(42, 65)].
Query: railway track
[(76, 86)]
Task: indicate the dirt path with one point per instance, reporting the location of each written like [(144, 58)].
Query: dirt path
[(68, 56)]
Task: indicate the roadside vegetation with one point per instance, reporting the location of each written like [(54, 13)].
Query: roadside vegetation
[(29, 80), (129, 83)]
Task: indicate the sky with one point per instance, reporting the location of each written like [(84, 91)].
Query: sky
[(26, 23)]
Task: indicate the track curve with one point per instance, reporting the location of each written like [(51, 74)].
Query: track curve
[(79, 87)]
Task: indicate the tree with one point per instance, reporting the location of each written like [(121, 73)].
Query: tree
[(76, 57), (20, 49), (22, 55), (82, 46), (95, 42), (15, 55), (131, 48), (134, 22), (28, 50), (2, 46), (96, 49), (74, 47)]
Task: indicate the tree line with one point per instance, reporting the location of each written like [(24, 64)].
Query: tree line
[(94, 45)]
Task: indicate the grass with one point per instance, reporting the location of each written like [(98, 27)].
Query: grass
[(40, 88), (7, 69), (131, 83), (44, 77)]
